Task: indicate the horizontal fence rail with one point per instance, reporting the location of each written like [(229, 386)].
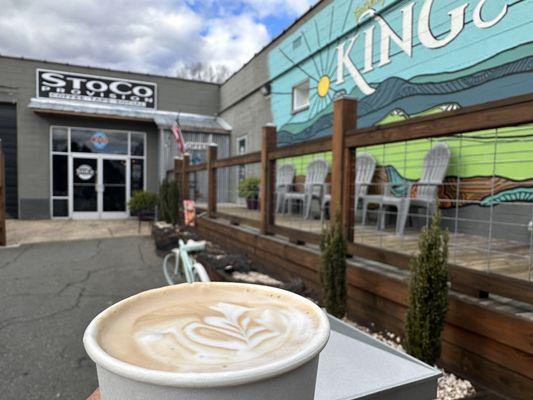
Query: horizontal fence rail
[(312, 146), (338, 188), (238, 160)]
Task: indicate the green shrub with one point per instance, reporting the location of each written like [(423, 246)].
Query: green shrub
[(142, 202), (169, 202), (428, 294), (333, 269), (249, 188)]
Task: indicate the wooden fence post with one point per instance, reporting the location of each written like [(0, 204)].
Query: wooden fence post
[(185, 177), (268, 180), (212, 182), (343, 164), (181, 175), (3, 234)]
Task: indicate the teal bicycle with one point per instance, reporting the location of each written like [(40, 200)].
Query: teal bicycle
[(184, 268)]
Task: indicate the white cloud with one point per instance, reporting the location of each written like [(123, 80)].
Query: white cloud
[(280, 7), (143, 35)]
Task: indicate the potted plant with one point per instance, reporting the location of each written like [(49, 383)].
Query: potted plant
[(142, 204), (249, 189)]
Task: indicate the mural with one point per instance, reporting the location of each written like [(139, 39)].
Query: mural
[(406, 58)]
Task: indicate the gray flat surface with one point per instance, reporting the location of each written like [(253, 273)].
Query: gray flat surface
[(48, 295), (350, 369)]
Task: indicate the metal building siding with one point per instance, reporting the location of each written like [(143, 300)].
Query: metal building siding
[(8, 136), (223, 143)]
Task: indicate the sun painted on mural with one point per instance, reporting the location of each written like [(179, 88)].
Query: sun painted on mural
[(400, 59)]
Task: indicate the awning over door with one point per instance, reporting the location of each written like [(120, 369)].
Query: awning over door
[(163, 119)]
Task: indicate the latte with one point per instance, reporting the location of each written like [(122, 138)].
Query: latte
[(209, 328)]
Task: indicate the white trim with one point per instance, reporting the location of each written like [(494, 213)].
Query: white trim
[(302, 107), (245, 138), (100, 213), (99, 156)]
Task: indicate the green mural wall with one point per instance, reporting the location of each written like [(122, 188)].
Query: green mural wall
[(406, 58)]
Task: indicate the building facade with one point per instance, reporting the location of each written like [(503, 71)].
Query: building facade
[(79, 141), (399, 58)]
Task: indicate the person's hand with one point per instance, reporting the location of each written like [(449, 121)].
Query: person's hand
[(95, 395)]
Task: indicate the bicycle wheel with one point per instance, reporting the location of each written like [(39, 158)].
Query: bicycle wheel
[(200, 274), (171, 270)]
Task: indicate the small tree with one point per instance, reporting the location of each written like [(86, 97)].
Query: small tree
[(169, 202), (333, 270), (428, 294)]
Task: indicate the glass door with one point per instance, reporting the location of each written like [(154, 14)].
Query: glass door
[(100, 187), (85, 187), (114, 187)]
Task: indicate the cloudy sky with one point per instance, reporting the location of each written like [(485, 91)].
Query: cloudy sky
[(155, 36)]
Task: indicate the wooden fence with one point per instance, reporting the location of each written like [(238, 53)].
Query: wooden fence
[(483, 341), (344, 142), (3, 233)]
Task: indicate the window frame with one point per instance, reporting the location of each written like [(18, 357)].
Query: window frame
[(297, 109), (71, 154)]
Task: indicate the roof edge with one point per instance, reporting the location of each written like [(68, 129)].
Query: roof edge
[(276, 38), (93, 67)]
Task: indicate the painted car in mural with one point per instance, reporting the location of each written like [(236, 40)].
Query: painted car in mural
[(408, 58)]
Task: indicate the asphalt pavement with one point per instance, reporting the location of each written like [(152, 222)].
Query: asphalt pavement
[(49, 292)]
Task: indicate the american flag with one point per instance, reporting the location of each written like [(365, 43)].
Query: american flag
[(176, 130)]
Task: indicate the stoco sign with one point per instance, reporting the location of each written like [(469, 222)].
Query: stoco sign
[(95, 89)]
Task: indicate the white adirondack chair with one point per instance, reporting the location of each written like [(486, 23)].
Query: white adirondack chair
[(365, 166), (314, 187), (284, 180), (434, 171)]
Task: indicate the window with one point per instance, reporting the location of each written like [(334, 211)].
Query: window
[(137, 144), (137, 175), (59, 172), (60, 140), (241, 146), (300, 96), (60, 175), (93, 141), (64, 141)]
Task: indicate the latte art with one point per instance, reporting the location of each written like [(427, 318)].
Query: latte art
[(226, 334), (216, 331), (248, 336)]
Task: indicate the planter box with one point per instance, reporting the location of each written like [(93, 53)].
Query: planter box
[(252, 204), (165, 236)]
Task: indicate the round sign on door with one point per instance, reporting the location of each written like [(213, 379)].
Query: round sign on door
[(85, 172)]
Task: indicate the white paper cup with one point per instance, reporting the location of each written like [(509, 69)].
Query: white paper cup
[(288, 379)]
